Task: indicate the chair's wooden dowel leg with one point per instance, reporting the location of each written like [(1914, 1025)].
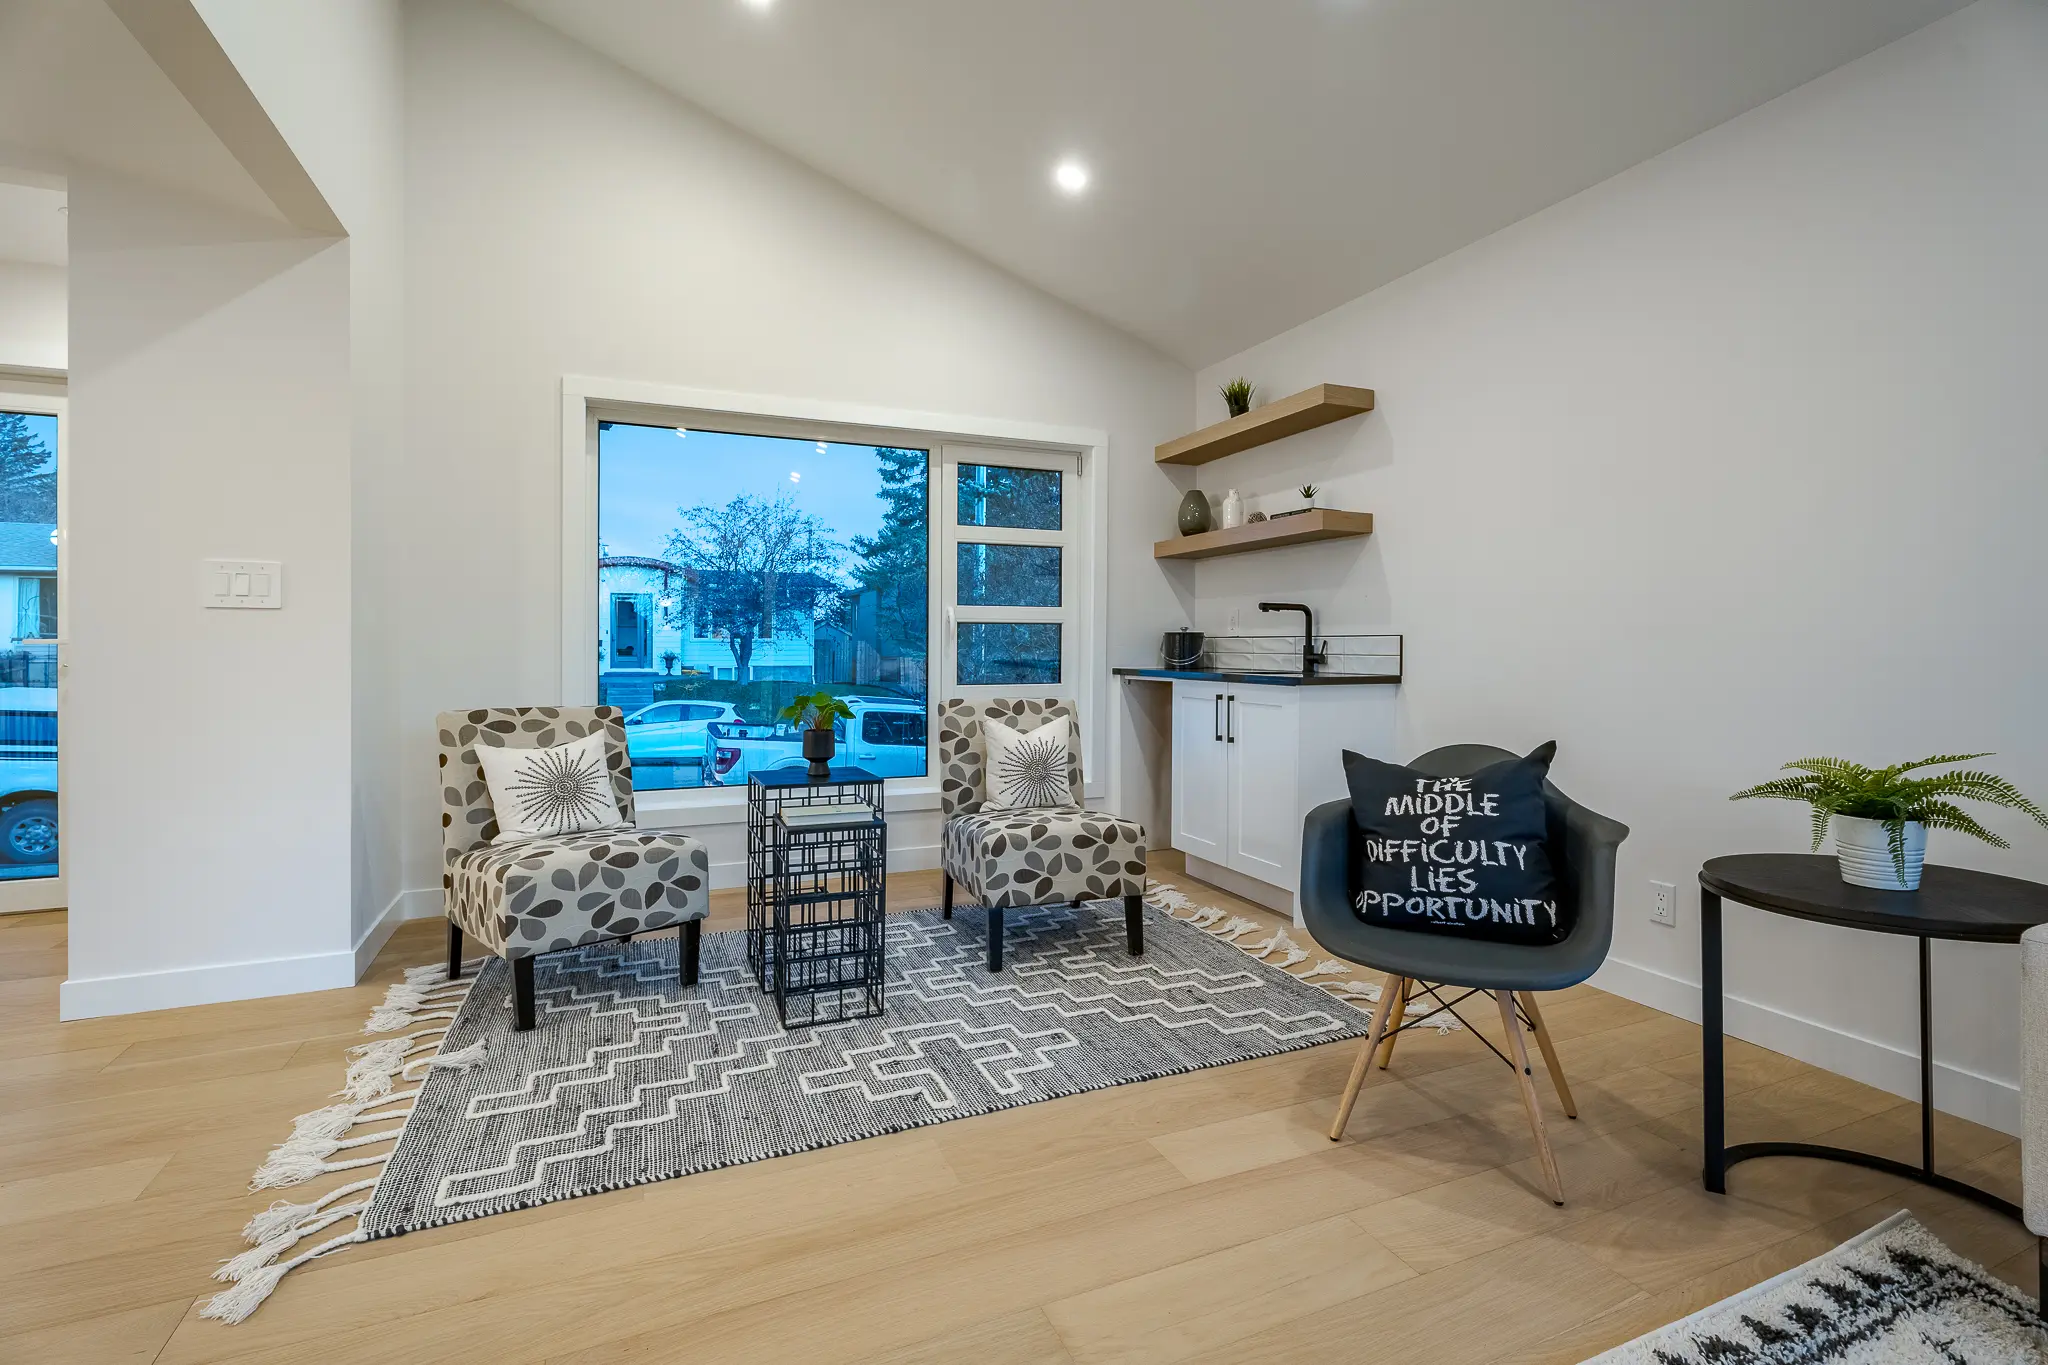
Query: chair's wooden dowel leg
[(1519, 1054), (995, 939), (946, 898), (454, 951), (1400, 1012), (1134, 924), (1388, 988), (1556, 1068)]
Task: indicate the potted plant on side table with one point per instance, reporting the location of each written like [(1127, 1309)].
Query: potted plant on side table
[(814, 716), (1881, 816)]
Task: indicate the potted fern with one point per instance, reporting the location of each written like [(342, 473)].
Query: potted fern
[(1881, 816), (813, 716)]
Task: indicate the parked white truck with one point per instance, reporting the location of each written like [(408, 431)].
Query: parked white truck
[(886, 736)]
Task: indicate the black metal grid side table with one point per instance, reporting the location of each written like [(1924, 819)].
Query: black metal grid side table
[(816, 893), (1952, 903)]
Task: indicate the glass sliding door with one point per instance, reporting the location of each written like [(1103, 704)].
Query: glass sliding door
[(31, 577)]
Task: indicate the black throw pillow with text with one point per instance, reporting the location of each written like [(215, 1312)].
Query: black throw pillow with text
[(1456, 855)]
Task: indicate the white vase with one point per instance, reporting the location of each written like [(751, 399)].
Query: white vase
[(1863, 847), (1233, 510)]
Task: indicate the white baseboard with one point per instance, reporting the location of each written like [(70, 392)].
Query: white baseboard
[(1967, 1094), (917, 858), (96, 996), (421, 902), (1275, 898)]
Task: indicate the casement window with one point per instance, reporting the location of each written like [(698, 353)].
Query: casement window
[(1009, 577)]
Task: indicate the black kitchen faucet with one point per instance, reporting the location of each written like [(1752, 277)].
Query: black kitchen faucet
[(1310, 655)]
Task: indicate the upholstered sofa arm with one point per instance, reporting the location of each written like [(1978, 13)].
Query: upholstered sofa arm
[(2034, 1076)]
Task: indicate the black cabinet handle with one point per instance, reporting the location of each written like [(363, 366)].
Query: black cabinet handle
[(1216, 715), (1230, 719)]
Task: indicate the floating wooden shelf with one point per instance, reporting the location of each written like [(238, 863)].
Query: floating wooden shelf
[(1304, 411), (1325, 523)]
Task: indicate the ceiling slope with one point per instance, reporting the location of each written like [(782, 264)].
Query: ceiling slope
[(1256, 162)]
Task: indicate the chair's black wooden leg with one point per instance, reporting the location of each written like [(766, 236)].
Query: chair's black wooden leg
[(946, 898), (1134, 924), (693, 934), (995, 940), (2042, 1270), (522, 993), (454, 950)]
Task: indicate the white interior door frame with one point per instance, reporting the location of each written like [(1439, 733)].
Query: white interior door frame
[(46, 397), (585, 398)]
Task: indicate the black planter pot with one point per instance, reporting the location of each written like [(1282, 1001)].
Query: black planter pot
[(819, 746)]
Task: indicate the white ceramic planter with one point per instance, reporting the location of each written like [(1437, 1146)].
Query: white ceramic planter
[(1865, 853)]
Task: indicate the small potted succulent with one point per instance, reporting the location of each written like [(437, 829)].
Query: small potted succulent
[(1881, 816), (814, 716), (1237, 396), (1308, 496)]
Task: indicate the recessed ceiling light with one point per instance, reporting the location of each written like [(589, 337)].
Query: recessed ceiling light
[(1071, 176), (762, 5)]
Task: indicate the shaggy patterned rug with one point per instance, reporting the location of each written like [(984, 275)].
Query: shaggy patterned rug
[(1892, 1296), (630, 1078)]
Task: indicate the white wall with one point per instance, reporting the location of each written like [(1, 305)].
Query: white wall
[(206, 752), (331, 77), (1734, 458), (236, 392), (567, 218), (32, 315)]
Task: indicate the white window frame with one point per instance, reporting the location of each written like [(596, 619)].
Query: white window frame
[(586, 400), (1072, 581), (32, 392)]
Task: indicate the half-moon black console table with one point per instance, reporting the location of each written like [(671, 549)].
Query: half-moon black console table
[(1952, 903)]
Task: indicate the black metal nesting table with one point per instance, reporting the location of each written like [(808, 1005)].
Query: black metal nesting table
[(1952, 903), (817, 893)]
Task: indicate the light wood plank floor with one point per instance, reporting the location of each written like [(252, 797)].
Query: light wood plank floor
[(1199, 1218)]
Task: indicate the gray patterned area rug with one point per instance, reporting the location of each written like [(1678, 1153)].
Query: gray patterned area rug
[(1894, 1295), (628, 1077)]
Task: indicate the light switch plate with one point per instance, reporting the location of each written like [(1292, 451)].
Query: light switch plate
[(241, 584)]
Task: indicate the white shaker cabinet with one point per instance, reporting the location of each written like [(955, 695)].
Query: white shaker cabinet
[(1250, 761)]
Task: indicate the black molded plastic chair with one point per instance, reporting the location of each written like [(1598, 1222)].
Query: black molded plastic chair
[(1582, 846)]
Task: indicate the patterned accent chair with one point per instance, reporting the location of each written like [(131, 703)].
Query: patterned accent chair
[(1013, 858), (545, 895)]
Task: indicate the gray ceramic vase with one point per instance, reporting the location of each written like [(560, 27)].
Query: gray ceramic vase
[(1194, 513)]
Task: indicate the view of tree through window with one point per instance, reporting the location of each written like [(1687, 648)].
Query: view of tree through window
[(28, 662), (738, 572)]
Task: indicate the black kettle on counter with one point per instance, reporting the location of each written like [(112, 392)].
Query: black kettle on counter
[(1181, 649)]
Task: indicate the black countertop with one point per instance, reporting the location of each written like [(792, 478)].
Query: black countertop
[(1257, 679)]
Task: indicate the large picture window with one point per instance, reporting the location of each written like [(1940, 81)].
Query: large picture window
[(736, 572)]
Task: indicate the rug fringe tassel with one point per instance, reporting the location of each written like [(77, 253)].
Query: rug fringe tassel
[(246, 1263), (283, 1216), (1232, 929), (249, 1292), (368, 1096)]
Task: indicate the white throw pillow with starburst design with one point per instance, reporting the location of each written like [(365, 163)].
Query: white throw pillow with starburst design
[(1027, 771), (563, 790)]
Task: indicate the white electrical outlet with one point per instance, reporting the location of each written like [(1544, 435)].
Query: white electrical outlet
[(1664, 905), (1234, 615)]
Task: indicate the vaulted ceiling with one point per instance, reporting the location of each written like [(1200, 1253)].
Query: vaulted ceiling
[(1255, 162)]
